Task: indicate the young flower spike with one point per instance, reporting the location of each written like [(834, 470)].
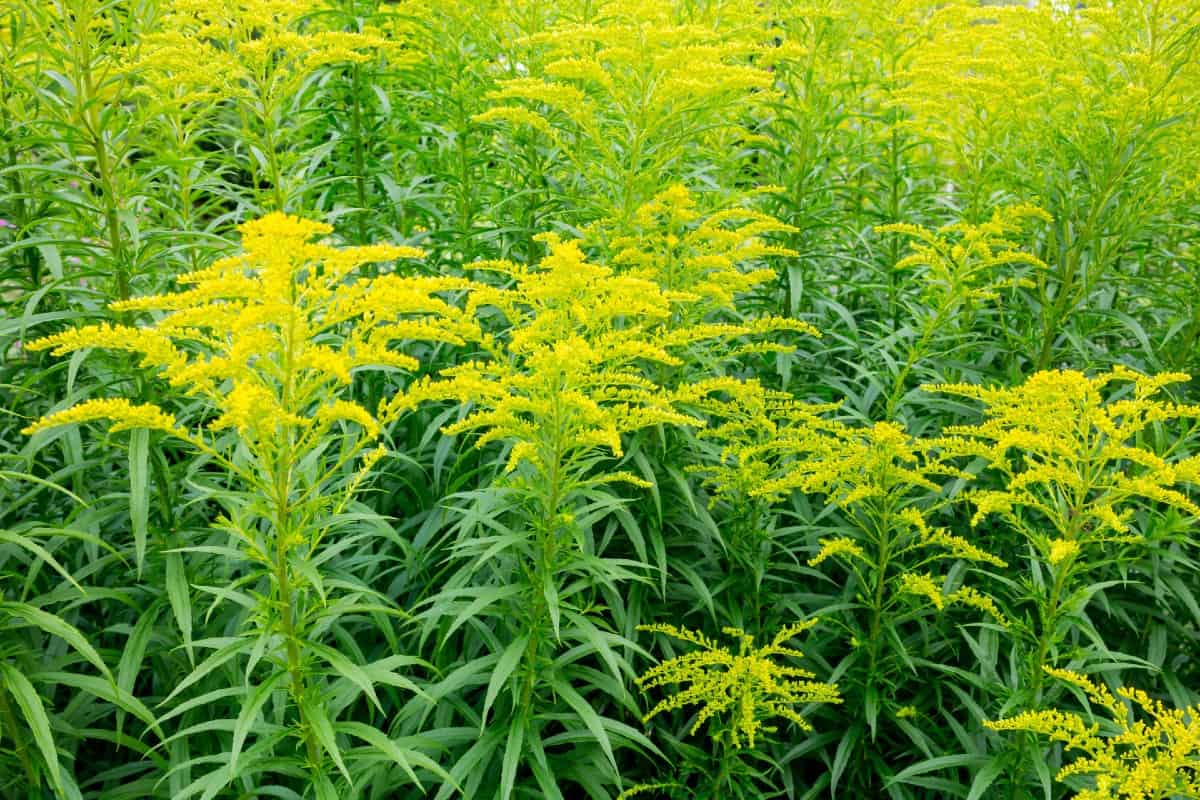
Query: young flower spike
[(737, 692)]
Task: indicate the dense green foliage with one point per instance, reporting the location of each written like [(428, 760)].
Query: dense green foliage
[(598, 398)]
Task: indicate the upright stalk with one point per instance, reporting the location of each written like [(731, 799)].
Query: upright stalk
[(93, 125), (283, 477), (547, 555), (360, 156)]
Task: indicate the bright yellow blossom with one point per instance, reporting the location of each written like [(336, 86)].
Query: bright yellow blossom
[(737, 692), (1155, 758), (266, 336), (1083, 466), (619, 90)]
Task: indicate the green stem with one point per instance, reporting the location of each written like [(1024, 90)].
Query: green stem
[(723, 773), (1049, 624), (883, 533), (465, 211), (360, 157), (93, 126), (283, 470), (277, 195), (544, 567)]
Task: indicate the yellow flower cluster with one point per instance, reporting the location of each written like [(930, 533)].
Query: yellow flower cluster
[(923, 585), (123, 415), (269, 337), (839, 546), (254, 50), (991, 70), (989, 80), (698, 258), (1157, 758), (749, 686), (1071, 451), (964, 261), (585, 358), (879, 475), (847, 463), (619, 88)]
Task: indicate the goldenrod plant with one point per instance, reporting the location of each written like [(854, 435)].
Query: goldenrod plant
[(77, 142), (1111, 84), (573, 375), (1082, 488), (1075, 469), (892, 566), (617, 93), (257, 56), (740, 694), (267, 342), (376, 375), (707, 261), (962, 269)]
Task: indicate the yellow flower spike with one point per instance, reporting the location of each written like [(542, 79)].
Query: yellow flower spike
[(839, 547), (962, 261), (267, 336), (1157, 756), (923, 586), (1084, 467), (344, 410), (589, 355), (1060, 550), (629, 74), (122, 414), (202, 53), (742, 691), (708, 259)]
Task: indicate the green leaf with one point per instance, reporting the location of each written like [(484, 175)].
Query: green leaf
[(35, 715), (985, 778), (504, 667), (405, 757), (589, 717), (324, 788), (41, 552), (139, 491), (135, 650), (181, 601), (936, 765), (105, 690), (249, 714), (512, 755), (322, 728), (550, 592), (841, 757), (346, 669), (59, 627), (206, 666)]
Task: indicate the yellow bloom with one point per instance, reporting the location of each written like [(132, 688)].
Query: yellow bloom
[(1084, 465), (742, 690), (252, 50), (962, 262), (266, 336), (586, 358), (839, 546), (924, 586), (619, 90), (1154, 757), (122, 414), (1061, 550)]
